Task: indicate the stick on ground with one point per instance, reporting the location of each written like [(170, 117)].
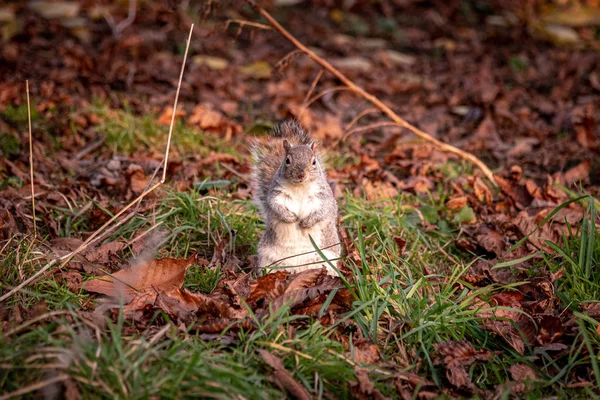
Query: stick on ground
[(31, 160), (66, 258), (374, 100)]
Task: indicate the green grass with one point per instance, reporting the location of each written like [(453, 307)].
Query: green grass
[(397, 305), (405, 303), (128, 134)]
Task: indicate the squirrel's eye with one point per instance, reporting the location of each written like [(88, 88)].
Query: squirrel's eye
[(288, 161), (314, 162)]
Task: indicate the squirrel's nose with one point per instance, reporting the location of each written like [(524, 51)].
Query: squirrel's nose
[(301, 174)]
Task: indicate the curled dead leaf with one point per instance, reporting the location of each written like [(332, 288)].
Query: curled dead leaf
[(457, 203), (157, 274), (490, 239), (268, 286)]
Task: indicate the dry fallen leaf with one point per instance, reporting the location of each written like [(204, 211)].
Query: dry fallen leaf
[(167, 114), (457, 203), (102, 254), (457, 355), (181, 304), (521, 372), (213, 121), (579, 173), (490, 239), (268, 286), (157, 274), (283, 378)]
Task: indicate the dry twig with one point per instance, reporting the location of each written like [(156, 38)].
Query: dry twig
[(313, 85), (373, 99), (31, 159), (66, 258)]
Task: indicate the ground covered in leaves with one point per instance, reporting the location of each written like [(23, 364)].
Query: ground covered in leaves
[(451, 285)]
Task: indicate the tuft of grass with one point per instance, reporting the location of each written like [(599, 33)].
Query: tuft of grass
[(193, 222), (201, 279), (18, 114), (518, 64), (578, 257), (127, 134), (9, 144)]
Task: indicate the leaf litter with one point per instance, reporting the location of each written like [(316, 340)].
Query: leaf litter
[(543, 140)]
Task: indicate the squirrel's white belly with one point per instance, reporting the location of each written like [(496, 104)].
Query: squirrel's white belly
[(294, 250), (301, 201)]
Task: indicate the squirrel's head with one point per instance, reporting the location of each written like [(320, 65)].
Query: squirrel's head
[(301, 163)]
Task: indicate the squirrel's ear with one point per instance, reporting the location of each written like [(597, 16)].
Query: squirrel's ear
[(286, 145), (313, 146)]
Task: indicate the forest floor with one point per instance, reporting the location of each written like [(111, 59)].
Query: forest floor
[(451, 285)]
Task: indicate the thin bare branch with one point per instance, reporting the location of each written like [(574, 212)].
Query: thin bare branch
[(321, 94), (31, 160), (313, 85), (369, 127), (243, 23), (359, 116), (187, 47), (374, 100)]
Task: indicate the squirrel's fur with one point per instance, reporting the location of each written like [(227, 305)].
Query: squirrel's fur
[(296, 202), (267, 157)]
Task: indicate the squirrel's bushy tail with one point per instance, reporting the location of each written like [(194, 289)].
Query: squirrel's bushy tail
[(268, 155)]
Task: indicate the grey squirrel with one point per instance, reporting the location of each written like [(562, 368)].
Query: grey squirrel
[(296, 202)]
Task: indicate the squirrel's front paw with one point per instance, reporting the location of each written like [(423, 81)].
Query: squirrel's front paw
[(290, 217), (307, 223)]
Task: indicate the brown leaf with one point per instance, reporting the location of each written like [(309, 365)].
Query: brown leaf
[(8, 225), (65, 243), (510, 334), (487, 130), (409, 384), (482, 191), (401, 243), (295, 297), (365, 389), (158, 274), (521, 372), (283, 378), (181, 304), (579, 173), (364, 383), (527, 224), (457, 376), (72, 279), (167, 115), (508, 299), (305, 279), (367, 353), (138, 181), (550, 330), (457, 203), (223, 256), (457, 355), (455, 349), (516, 191), (213, 121), (268, 286), (71, 390), (490, 239), (102, 254)]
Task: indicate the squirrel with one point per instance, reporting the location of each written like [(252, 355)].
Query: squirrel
[(295, 201)]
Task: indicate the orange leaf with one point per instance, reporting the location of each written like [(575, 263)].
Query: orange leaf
[(158, 274)]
